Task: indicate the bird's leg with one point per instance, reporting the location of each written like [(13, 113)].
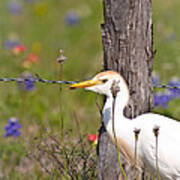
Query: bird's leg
[(156, 134)]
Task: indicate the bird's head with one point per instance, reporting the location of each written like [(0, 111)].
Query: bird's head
[(102, 83)]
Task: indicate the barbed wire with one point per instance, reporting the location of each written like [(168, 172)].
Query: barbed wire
[(37, 78), (165, 86)]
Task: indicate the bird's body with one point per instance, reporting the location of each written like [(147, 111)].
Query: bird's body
[(169, 130), (168, 139), (168, 145)]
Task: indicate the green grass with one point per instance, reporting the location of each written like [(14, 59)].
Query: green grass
[(43, 24)]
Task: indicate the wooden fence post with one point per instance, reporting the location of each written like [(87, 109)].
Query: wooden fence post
[(127, 37)]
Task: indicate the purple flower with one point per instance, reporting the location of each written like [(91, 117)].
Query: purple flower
[(13, 128), (175, 93), (10, 44), (174, 83), (15, 7), (72, 18), (28, 84), (161, 100)]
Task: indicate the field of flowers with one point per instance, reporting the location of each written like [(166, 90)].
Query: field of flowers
[(47, 131)]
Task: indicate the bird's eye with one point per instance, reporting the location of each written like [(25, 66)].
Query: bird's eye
[(104, 80)]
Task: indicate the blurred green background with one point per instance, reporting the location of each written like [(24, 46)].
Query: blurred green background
[(44, 27)]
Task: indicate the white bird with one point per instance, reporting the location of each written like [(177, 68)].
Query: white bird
[(169, 130)]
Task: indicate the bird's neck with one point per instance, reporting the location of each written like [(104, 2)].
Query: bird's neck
[(123, 127), (120, 103)]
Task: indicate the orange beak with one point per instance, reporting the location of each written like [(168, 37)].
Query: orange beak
[(84, 84)]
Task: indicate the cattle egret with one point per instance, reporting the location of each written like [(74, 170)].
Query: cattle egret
[(149, 124)]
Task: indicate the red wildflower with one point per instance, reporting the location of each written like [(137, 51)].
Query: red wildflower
[(93, 138), (18, 49), (33, 58)]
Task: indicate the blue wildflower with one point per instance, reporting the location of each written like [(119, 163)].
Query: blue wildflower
[(15, 7), (161, 100), (10, 44), (175, 93), (13, 128), (28, 84), (72, 18)]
